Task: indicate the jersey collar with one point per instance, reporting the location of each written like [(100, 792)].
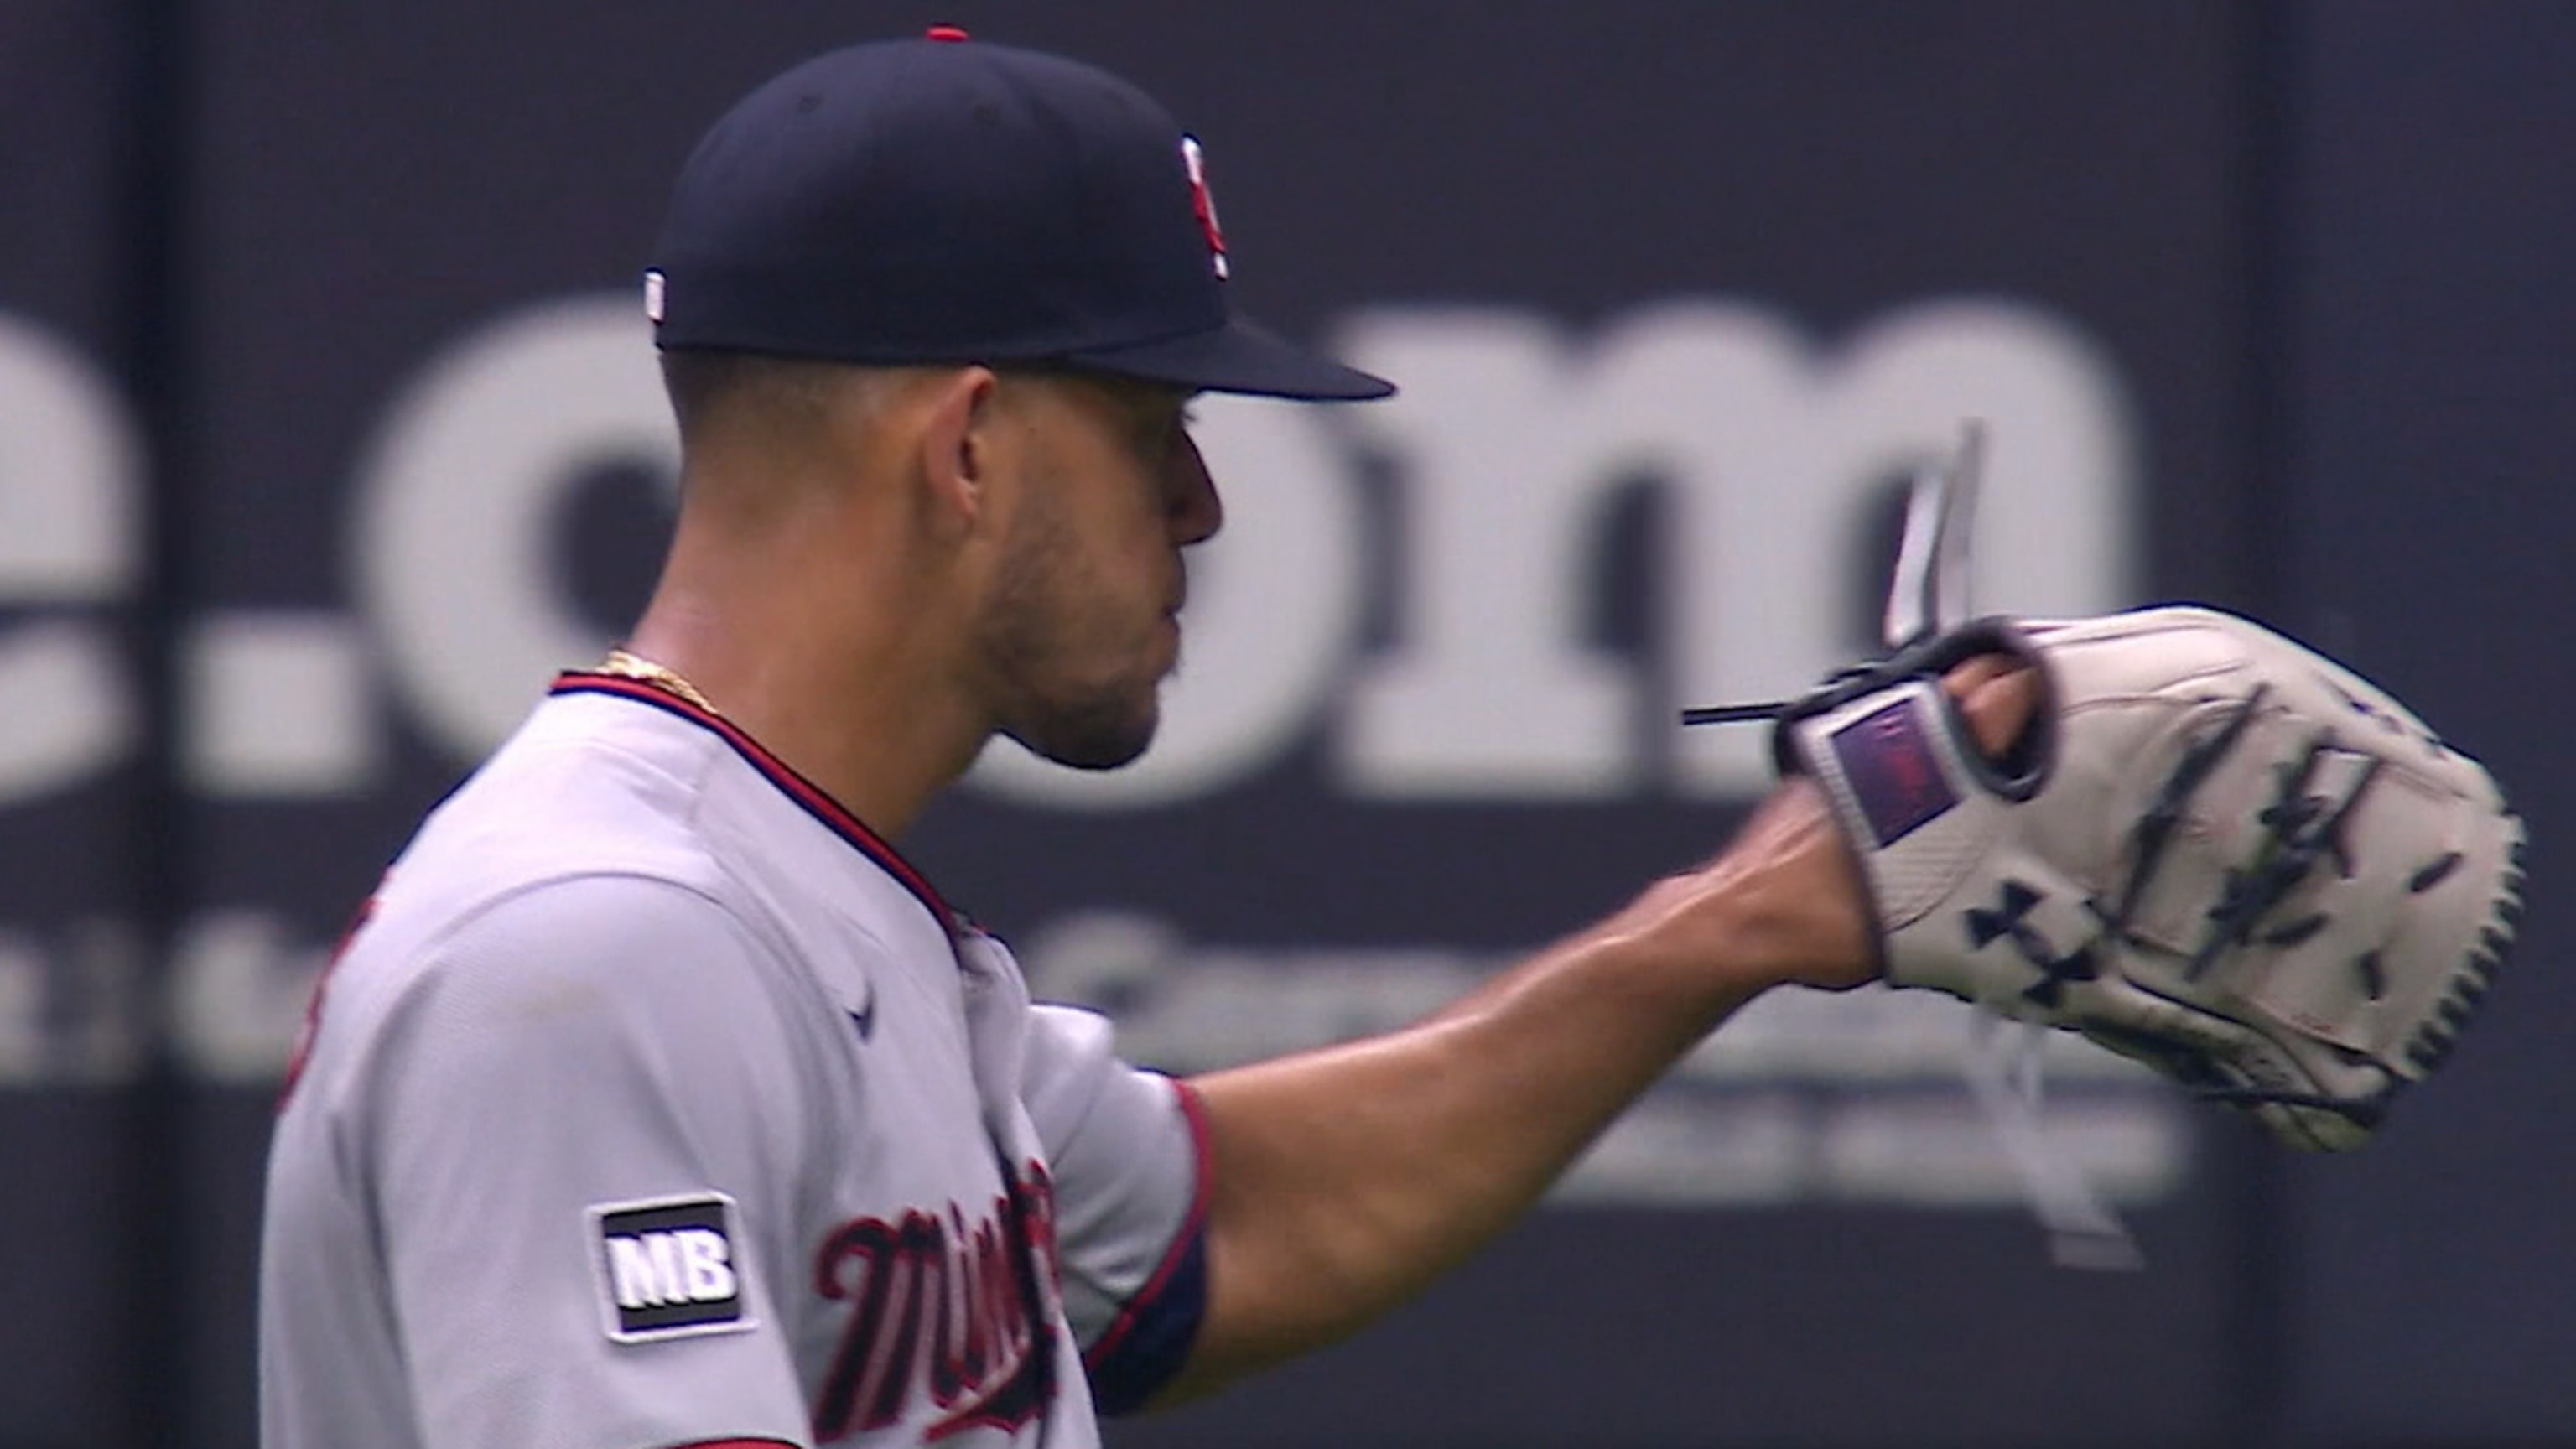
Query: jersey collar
[(811, 797)]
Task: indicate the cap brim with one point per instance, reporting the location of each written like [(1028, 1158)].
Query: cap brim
[(1239, 357)]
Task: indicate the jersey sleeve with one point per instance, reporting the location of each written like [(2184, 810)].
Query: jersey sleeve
[(1127, 1154), (582, 1122)]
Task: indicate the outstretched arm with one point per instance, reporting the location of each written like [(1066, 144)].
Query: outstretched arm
[(1346, 1179)]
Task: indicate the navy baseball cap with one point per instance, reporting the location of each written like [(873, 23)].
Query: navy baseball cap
[(945, 200)]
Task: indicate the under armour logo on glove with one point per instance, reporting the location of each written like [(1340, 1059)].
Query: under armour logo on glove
[(2009, 919)]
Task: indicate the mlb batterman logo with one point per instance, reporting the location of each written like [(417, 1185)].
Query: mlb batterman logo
[(667, 1268)]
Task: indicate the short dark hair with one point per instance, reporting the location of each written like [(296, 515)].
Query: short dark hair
[(705, 382)]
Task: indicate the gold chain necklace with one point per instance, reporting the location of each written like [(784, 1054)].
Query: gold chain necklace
[(661, 676)]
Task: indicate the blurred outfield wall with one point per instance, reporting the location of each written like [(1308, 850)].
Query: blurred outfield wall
[(328, 430)]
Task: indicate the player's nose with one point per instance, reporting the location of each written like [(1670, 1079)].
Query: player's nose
[(1196, 512)]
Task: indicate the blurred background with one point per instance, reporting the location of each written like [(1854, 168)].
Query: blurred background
[(328, 430)]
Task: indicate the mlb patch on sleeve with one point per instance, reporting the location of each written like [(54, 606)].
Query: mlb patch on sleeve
[(667, 1267)]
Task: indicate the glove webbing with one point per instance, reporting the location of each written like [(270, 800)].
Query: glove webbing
[(2155, 827), (2300, 831)]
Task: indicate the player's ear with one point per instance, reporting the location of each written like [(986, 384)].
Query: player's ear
[(958, 448)]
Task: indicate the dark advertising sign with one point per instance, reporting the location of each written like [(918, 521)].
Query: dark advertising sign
[(75, 930), (1678, 296)]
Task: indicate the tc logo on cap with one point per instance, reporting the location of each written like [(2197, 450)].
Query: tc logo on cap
[(1203, 203)]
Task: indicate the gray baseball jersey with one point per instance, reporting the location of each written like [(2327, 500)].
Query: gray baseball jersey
[(656, 1102)]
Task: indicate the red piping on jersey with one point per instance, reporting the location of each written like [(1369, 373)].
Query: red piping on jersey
[(1191, 1226), (835, 816)]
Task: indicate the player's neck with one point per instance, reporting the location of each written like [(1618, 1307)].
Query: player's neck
[(858, 701)]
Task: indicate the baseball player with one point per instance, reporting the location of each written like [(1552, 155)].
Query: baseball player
[(657, 1101)]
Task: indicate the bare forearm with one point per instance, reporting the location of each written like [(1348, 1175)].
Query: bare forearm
[(1347, 1179)]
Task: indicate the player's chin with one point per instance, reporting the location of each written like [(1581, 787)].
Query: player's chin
[(1104, 732)]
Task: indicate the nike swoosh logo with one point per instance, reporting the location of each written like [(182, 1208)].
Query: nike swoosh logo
[(865, 1017)]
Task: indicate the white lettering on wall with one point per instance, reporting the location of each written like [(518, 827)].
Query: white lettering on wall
[(457, 509), (70, 534), (1771, 450), (1509, 443)]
